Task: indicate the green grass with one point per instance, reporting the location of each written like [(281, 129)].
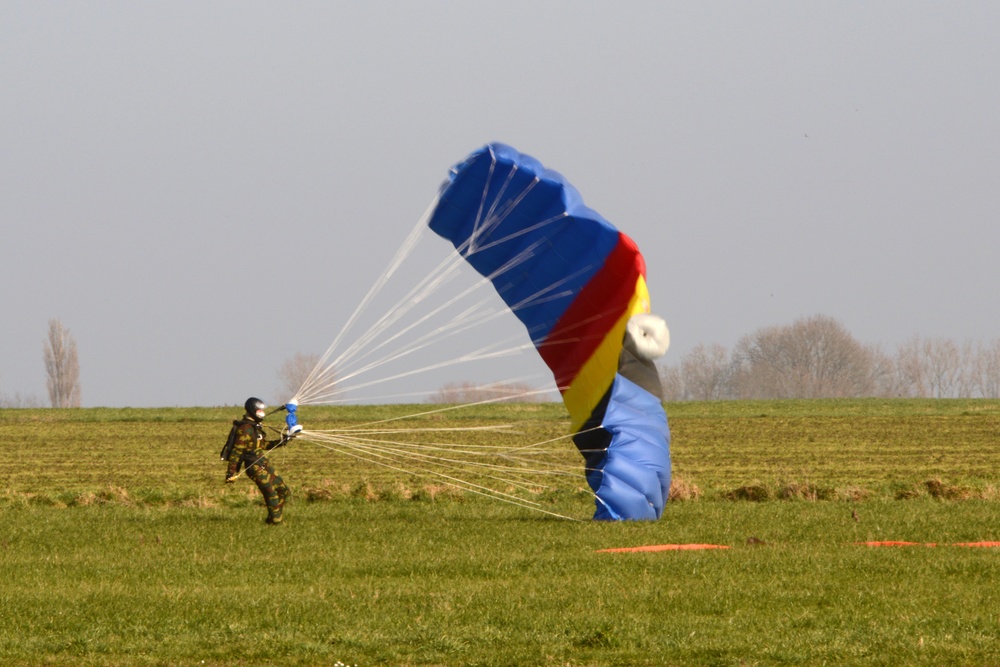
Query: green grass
[(121, 546)]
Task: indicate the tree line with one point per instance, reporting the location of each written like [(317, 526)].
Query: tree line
[(816, 357)]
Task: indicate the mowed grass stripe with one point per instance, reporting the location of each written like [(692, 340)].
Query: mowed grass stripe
[(863, 451)]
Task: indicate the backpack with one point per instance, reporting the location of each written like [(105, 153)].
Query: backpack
[(230, 441)]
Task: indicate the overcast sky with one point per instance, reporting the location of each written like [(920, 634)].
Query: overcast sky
[(199, 190)]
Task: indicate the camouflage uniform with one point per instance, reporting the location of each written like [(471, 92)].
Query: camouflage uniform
[(249, 451)]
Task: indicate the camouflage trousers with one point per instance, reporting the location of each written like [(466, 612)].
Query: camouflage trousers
[(271, 486)]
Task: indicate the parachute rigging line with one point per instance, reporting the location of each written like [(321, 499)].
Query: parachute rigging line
[(318, 385), (355, 449)]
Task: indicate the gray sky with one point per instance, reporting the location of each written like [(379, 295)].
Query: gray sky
[(200, 190)]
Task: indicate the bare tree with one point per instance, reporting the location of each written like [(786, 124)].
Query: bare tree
[(968, 367), (885, 379), (944, 366), (705, 373), (673, 384), (62, 367), (815, 357), (294, 372), (932, 368), (911, 371), (987, 369), (17, 400)]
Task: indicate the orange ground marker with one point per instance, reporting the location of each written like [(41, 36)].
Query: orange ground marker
[(928, 544), (664, 547)]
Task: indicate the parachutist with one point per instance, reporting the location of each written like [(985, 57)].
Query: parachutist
[(247, 448)]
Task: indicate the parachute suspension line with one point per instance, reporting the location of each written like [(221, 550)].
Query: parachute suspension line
[(428, 339), (505, 450), (334, 399), (358, 450), (357, 351), (454, 321), (322, 380), (581, 324), (457, 325), (494, 217), (513, 477), (445, 271), (482, 202), (482, 354), (319, 387), (546, 292), (478, 313), (352, 449), (515, 469), (402, 253), (442, 274), (521, 232), (449, 408), (497, 214), (490, 351), (483, 225)]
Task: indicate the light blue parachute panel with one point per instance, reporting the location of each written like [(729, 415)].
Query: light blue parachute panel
[(632, 479)]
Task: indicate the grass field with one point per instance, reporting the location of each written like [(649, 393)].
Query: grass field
[(121, 546)]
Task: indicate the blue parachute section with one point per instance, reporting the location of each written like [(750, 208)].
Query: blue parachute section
[(629, 455), (574, 281), (526, 229)]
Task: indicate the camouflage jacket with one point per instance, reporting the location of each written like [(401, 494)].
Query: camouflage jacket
[(249, 446)]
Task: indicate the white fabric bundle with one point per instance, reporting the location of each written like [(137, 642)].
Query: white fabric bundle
[(647, 336)]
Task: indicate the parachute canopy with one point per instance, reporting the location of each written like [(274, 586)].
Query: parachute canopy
[(575, 282)]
